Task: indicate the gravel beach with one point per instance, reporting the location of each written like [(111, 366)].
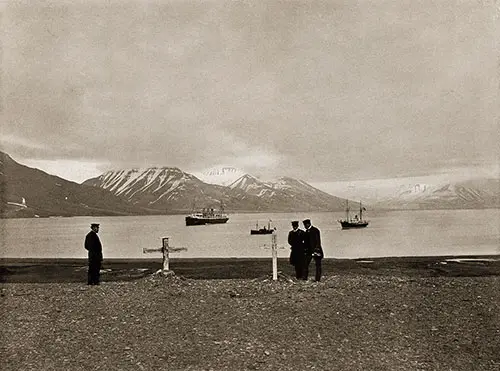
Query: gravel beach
[(349, 321)]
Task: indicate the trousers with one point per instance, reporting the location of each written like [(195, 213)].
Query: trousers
[(94, 271), (299, 268), (317, 263)]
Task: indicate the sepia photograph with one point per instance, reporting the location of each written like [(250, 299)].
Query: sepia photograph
[(275, 185)]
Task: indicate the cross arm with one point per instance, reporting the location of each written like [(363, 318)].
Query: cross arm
[(147, 250), (177, 249)]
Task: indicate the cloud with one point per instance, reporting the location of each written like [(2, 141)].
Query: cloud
[(319, 91)]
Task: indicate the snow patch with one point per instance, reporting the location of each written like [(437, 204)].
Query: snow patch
[(471, 260), (22, 204), (224, 175), (133, 181)]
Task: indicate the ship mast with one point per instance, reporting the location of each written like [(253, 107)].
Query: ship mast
[(347, 210), (360, 212)]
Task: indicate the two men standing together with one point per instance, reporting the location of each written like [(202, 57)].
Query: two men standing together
[(305, 245)]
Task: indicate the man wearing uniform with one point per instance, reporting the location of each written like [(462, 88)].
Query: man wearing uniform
[(313, 249), (94, 248), (297, 255)]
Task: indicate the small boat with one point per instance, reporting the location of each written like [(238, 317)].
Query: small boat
[(351, 223), (263, 230), (207, 216)]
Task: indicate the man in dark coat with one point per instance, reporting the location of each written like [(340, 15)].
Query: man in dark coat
[(313, 249), (94, 248), (297, 255)]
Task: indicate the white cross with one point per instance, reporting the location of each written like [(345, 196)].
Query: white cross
[(166, 249), (274, 253)]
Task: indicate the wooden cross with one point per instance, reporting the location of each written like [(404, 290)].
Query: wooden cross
[(165, 249), (274, 254)]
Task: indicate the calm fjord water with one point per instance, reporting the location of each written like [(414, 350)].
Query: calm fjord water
[(390, 233)]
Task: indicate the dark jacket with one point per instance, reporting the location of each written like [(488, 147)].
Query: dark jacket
[(313, 241), (93, 246), (296, 242)]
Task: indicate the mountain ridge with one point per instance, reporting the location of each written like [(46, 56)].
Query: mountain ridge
[(469, 194), (174, 190), (30, 192)]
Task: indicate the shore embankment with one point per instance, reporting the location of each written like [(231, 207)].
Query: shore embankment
[(75, 270), (439, 313)]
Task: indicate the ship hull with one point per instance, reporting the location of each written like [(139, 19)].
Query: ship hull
[(260, 231), (350, 225), (202, 221)]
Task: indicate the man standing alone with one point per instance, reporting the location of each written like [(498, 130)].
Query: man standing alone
[(94, 247), (296, 242), (313, 249)]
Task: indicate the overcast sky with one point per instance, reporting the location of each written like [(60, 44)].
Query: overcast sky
[(318, 90)]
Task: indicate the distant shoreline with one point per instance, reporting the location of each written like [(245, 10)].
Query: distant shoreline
[(44, 270), (229, 212)]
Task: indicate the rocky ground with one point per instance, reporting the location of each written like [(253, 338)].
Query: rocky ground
[(349, 321)]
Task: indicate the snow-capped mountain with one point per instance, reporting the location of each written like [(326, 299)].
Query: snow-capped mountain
[(484, 193), (287, 183), (428, 193), (164, 188), (29, 192), (224, 175), (129, 182), (287, 194), (253, 186), (173, 190)]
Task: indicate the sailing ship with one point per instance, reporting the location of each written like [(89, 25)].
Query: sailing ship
[(263, 230), (207, 216), (350, 223)]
